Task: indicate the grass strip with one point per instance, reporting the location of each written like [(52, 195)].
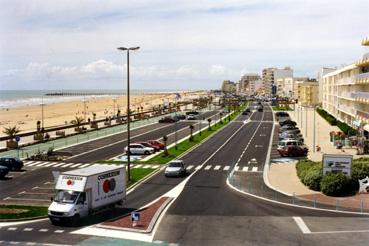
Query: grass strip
[(139, 173), (281, 108), (21, 212)]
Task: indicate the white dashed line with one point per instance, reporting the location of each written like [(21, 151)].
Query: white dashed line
[(35, 163), (198, 168), (67, 165), (59, 164), (217, 167), (137, 166), (28, 229), (156, 166), (226, 168), (50, 164), (207, 167), (12, 228), (245, 169), (254, 169), (189, 167), (43, 230), (301, 224), (42, 164), (58, 231)]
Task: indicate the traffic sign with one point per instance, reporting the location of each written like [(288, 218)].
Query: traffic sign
[(135, 216), (17, 138)]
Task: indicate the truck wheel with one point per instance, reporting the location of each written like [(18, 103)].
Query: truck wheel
[(76, 220)]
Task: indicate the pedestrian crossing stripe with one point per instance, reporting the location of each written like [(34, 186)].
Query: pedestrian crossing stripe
[(145, 166)]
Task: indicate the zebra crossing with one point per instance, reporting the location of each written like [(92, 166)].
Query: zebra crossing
[(152, 166)]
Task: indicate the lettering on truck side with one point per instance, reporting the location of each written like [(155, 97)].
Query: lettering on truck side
[(108, 175)]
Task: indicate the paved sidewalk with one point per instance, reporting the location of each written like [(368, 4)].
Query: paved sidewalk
[(322, 138)]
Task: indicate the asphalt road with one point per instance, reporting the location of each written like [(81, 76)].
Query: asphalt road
[(208, 212)]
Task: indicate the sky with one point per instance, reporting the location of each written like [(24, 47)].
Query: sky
[(184, 44)]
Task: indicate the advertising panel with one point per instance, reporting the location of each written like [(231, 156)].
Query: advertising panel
[(337, 164), (71, 182)]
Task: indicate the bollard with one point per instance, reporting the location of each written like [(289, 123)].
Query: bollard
[(362, 206), (337, 203), (293, 198)]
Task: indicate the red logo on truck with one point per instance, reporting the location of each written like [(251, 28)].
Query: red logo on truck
[(70, 182), (109, 185)]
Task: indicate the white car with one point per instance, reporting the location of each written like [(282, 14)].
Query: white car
[(191, 117), (175, 168), (139, 149)]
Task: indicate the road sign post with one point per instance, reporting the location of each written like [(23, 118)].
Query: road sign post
[(135, 217), (17, 139)]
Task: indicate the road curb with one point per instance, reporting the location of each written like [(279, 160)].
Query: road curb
[(23, 219)]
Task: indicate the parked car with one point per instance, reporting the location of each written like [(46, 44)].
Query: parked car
[(293, 131), (246, 111), (13, 164), (139, 149), (3, 171), (191, 117), (192, 112), (289, 142), (180, 117), (282, 114), (293, 151), (157, 143), (287, 122), (286, 135), (175, 168), (260, 108), (147, 144), (168, 120), (287, 127)]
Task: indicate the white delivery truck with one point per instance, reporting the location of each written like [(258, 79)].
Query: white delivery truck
[(83, 191)]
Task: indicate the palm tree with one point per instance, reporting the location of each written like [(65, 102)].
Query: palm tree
[(77, 121), (191, 130), (165, 139), (11, 131), (209, 120), (220, 117)]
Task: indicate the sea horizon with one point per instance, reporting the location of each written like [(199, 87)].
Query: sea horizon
[(19, 98)]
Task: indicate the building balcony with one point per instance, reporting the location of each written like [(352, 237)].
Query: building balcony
[(362, 115), (346, 81), (364, 61), (362, 78), (347, 110), (361, 96), (365, 41)]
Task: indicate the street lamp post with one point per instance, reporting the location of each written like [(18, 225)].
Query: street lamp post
[(42, 113), (114, 102), (128, 113), (306, 121), (314, 130), (84, 108)]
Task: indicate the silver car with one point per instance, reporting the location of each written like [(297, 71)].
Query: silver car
[(175, 168)]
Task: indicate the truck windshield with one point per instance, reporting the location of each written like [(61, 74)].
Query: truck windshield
[(65, 196)]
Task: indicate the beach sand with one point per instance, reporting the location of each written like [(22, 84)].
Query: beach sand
[(61, 113)]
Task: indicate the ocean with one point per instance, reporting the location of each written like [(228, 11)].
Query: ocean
[(19, 98)]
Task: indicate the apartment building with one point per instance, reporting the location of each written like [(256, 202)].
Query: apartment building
[(285, 87), (346, 92), (246, 85), (228, 86), (271, 75), (323, 71), (306, 92)]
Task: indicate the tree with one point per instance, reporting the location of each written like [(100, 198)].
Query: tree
[(165, 139), (220, 117), (209, 120), (77, 121), (191, 130), (11, 131)]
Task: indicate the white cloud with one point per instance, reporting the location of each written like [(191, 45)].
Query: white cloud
[(181, 41)]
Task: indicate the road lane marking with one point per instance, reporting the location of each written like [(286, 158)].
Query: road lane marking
[(35, 163), (42, 164), (156, 166), (28, 229), (58, 231), (20, 193), (301, 224), (245, 169), (226, 168), (217, 167), (67, 165), (85, 165), (59, 164), (189, 167), (198, 167), (28, 162), (76, 165), (236, 168), (12, 228), (137, 166), (254, 169), (207, 167), (147, 166), (50, 164), (43, 230)]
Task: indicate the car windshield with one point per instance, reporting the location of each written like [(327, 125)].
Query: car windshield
[(65, 196), (175, 164), (146, 144)]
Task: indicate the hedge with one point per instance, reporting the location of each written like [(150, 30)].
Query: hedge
[(348, 130), (310, 174)]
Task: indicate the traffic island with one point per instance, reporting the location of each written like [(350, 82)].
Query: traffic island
[(148, 217)]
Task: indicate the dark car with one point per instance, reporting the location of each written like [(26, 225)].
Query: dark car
[(287, 127), (11, 163), (282, 114), (168, 120), (180, 117), (293, 151), (3, 171), (192, 112), (260, 108), (287, 122), (292, 131), (246, 111)]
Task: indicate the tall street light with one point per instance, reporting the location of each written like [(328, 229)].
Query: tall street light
[(128, 113), (42, 114)]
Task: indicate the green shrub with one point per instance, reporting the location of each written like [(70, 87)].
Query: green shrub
[(328, 117), (348, 130), (335, 184), (312, 179), (360, 169)]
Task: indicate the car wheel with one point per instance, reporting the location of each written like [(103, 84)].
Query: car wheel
[(147, 152)]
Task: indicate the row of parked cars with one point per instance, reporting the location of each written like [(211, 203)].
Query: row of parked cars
[(291, 141), (190, 115), (9, 164)]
